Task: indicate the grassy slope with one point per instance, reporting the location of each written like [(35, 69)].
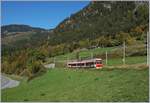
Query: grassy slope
[(129, 60), (111, 61), (85, 53), (87, 85), (83, 85)]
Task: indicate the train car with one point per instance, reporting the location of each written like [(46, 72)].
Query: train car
[(90, 63)]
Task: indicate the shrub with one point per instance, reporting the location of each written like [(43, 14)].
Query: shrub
[(35, 67)]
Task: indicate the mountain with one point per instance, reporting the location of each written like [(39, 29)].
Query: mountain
[(100, 23), (19, 37), (98, 20), (104, 18), (16, 28)]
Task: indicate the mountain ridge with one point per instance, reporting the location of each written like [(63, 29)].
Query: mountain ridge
[(102, 18), (7, 30)]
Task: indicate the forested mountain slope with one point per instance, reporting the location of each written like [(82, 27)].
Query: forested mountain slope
[(7, 30), (103, 18), (16, 37)]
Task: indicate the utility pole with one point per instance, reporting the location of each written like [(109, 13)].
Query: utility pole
[(48, 37), (67, 61), (48, 40), (91, 55), (148, 48), (106, 58), (54, 60), (124, 52)]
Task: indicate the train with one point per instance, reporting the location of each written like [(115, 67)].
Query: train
[(88, 63)]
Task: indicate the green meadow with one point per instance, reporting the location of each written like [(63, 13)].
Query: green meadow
[(86, 85), (83, 85)]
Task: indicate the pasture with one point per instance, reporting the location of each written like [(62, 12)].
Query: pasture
[(127, 84), (83, 85)]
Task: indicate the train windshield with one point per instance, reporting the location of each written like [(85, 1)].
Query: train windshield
[(98, 62)]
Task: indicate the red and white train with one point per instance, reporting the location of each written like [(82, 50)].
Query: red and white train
[(90, 63)]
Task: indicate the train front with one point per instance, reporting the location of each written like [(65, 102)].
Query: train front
[(98, 63)]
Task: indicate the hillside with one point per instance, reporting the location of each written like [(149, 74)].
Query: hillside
[(103, 18), (13, 29), (99, 24), (62, 85), (18, 37)]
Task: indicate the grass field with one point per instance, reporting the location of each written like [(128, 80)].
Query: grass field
[(62, 84), (129, 60), (83, 85)]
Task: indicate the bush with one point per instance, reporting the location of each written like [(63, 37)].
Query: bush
[(35, 67)]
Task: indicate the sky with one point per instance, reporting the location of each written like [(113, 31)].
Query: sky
[(44, 14)]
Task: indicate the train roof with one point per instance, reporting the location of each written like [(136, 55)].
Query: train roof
[(84, 61)]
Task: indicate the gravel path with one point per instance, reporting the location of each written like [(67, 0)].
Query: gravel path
[(7, 82)]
